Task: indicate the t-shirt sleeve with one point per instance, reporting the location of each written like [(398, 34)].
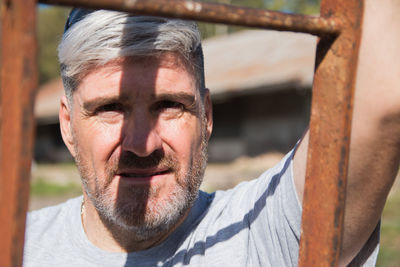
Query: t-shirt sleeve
[(277, 215)]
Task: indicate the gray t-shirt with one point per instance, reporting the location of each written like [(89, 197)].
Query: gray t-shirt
[(255, 224)]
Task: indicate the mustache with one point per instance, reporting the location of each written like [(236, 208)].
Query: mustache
[(129, 160)]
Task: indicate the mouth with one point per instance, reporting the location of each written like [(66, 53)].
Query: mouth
[(142, 174)]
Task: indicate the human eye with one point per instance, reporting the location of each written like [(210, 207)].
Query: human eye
[(167, 104), (169, 108), (110, 107), (110, 112)]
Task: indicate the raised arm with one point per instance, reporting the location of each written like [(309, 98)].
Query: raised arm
[(375, 138)]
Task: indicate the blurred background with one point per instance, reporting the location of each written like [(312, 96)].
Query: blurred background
[(260, 82)]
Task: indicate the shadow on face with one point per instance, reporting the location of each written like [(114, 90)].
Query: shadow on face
[(151, 126)]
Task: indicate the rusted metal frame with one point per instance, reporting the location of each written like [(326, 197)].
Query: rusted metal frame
[(17, 104), (216, 13), (328, 150), (18, 84)]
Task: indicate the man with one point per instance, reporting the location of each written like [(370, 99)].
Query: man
[(137, 118)]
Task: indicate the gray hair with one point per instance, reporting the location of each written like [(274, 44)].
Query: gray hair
[(104, 36)]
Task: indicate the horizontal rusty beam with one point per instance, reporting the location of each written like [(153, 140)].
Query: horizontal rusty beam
[(330, 125), (17, 88), (215, 13)]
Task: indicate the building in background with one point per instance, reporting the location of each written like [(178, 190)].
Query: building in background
[(260, 82), (261, 88), (49, 146)]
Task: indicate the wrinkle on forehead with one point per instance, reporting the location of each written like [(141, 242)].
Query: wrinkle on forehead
[(164, 59)]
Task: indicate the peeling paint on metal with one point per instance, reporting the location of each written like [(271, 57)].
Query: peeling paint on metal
[(130, 3), (193, 6), (330, 125)]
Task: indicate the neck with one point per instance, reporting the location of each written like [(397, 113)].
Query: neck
[(113, 238)]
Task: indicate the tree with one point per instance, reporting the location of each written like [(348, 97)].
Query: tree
[(50, 28), (298, 6)]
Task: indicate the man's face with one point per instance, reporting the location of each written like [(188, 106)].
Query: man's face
[(139, 132)]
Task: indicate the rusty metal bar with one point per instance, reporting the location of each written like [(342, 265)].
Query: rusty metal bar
[(216, 13), (18, 82), (330, 121), (328, 150)]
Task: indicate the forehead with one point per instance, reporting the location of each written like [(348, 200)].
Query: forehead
[(136, 77)]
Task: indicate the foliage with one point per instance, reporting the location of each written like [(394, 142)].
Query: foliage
[(50, 28), (390, 232), (299, 6)]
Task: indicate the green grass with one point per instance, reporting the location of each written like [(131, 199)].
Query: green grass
[(60, 179), (41, 187), (389, 254)]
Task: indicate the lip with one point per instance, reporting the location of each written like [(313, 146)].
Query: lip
[(143, 176)]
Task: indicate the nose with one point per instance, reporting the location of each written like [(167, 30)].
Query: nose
[(140, 136)]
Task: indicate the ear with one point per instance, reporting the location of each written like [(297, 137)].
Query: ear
[(65, 115), (209, 112)]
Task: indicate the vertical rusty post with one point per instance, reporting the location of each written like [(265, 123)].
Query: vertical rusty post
[(18, 83), (327, 162)]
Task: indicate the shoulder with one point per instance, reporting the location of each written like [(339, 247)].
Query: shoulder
[(273, 190), (47, 227), (255, 223), (44, 217)]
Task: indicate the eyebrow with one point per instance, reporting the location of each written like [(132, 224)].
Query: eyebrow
[(92, 104), (186, 98)]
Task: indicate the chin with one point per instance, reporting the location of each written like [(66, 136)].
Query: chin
[(144, 212)]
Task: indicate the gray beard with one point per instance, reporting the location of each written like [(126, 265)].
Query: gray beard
[(142, 215), (145, 223)]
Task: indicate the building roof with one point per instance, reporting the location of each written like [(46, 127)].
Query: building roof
[(258, 58), (234, 64)]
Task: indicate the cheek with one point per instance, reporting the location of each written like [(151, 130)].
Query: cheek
[(98, 140), (181, 136)]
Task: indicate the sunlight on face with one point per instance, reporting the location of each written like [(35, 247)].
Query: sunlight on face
[(140, 135)]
